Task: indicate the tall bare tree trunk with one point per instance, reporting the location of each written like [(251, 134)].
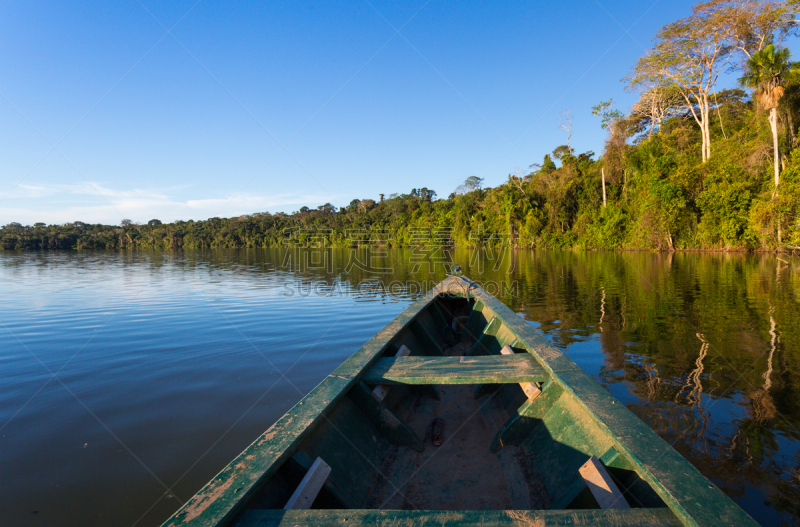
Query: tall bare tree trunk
[(773, 124), (708, 129), (703, 134), (702, 123), (705, 142), (603, 172), (708, 140), (706, 119), (701, 119), (716, 102), (783, 122), (791, 126)]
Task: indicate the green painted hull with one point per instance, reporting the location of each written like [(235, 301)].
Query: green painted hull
[(506, 459)]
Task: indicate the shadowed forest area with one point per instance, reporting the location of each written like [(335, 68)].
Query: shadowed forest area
[(691, 166)]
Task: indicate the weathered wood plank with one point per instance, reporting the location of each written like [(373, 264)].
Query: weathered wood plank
[(309, 487), (579, 485), (393, 518), (531, 390), (601, 485), (380, 392), (301, 462), (498, 369), (388, 423)]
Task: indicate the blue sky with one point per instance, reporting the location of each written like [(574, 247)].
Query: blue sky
[(189, 110)]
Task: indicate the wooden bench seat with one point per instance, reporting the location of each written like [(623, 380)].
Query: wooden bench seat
[(495, 369)]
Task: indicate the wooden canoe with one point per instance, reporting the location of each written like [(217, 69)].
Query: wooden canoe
[(528, 438)]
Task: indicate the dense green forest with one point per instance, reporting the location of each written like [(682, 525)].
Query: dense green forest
[(690, 166)]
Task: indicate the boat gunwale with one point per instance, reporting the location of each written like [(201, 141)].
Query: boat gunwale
[(692, 497), (220, 500), (660, 516)]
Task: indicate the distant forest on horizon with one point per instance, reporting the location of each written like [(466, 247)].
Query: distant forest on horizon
[(690, 167)]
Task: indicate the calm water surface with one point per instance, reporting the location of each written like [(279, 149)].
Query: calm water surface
[(129, 379)]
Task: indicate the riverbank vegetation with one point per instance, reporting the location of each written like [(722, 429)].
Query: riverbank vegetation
[(691, 166)]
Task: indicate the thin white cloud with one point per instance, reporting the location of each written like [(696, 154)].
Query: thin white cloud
[(56, 204)]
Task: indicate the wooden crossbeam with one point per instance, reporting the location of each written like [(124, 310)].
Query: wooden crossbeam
[(531, 390), (380, 392), (300, 463), (306, 492), (579, 485), (603, 488), (496, 369)]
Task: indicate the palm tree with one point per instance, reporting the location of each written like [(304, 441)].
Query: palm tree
[(766, 72)]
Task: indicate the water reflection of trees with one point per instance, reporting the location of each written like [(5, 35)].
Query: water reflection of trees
[(706, 344)]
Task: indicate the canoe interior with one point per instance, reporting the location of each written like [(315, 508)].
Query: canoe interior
[(500, 451), (522, 422)]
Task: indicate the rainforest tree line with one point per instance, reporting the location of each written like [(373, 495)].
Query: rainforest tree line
[(693, 165)]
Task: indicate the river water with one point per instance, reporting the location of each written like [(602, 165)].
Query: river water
[(129, 379)]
